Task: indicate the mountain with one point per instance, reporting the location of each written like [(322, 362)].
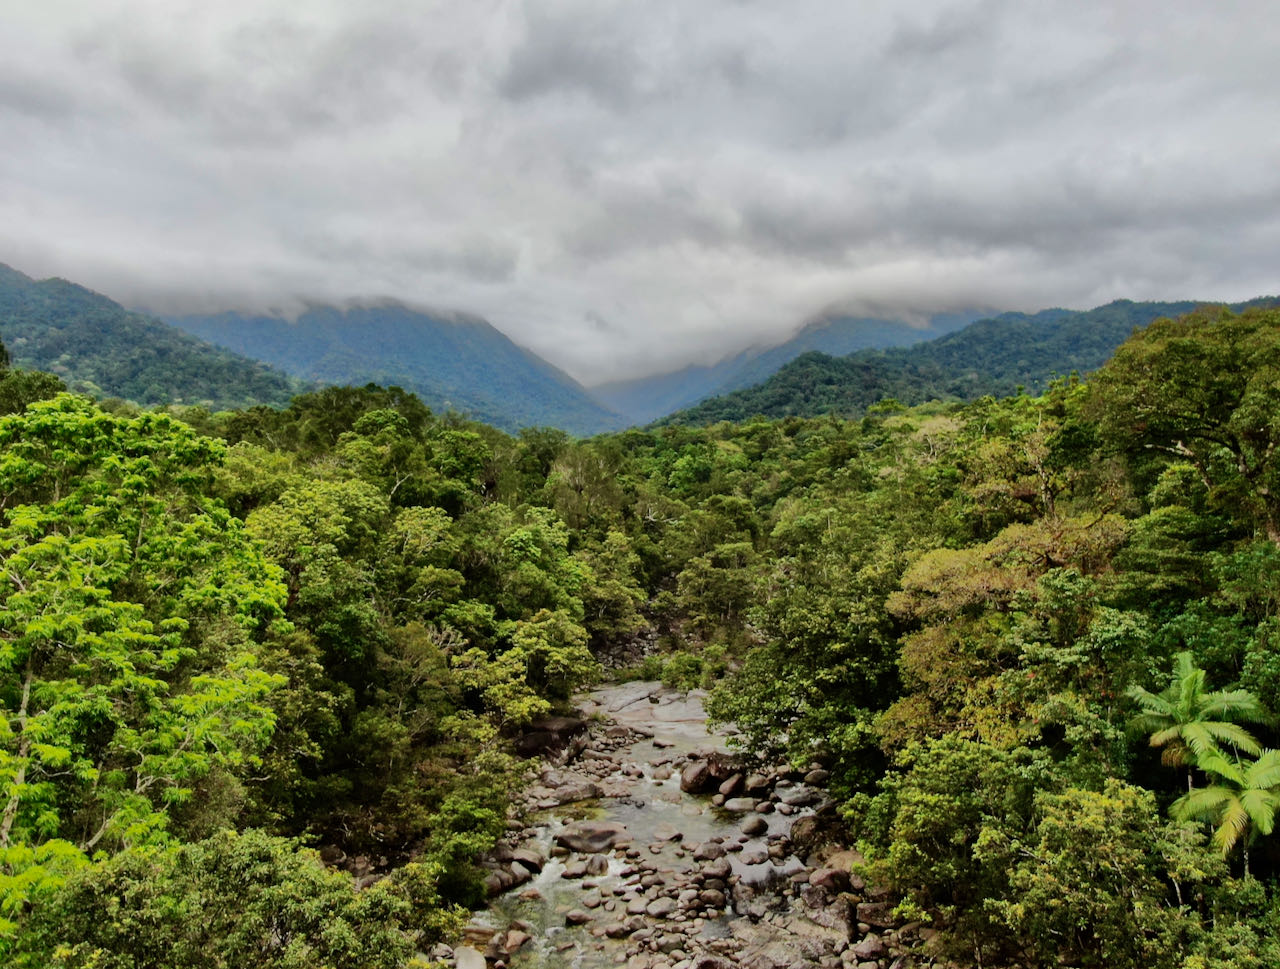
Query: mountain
[(646, 398), (992, 356), (451, 361), (100, 348)]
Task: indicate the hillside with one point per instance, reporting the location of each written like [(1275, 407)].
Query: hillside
[(994, 356), (647, 398), (454, 362), (97, 346)]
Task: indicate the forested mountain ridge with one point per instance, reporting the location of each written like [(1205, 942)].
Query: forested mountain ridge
[(647, 398), (994, 356), (455, 362), (1030, 640), (99, 347)]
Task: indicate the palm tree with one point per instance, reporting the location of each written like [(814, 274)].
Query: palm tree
[(1189, 722), (1243, 804)]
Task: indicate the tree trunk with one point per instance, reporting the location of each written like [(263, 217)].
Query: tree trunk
[(24, 750)]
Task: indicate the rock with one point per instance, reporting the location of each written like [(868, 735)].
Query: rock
[(576, 869), (755, 856), (515, 939), (468, 958), (719, 868), (878, 915), (732, 786), (662, 773), (574, 916), (548, 734), (817, 777), (529, 858), (740, 804), (519, 873), (708, 851), (756, 783), (712, 962), (597, 865), (754, 825), (832, 880), (660, 908), (797, 796), (696, 777), (811, 832), (870, 948), (591, 837), (712, 898), (667, 832)]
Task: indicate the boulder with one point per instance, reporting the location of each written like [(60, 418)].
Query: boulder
[(529, 858), (740, 804), (754, 825), (660, 908), (548, 735), (832, 880), (591, 837), (797, 796), (870, 948), (732, 786), (708, 851), (696, 777), (468, 958), (878, 915)]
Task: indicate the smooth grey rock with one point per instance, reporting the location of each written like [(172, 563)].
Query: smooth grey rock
[(592, 836)]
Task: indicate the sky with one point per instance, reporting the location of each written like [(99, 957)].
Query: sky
[(625, 187)]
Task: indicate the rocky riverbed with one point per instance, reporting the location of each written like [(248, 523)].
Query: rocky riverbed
[(653, 847)]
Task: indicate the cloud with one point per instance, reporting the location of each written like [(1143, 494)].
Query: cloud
[(630, 187)]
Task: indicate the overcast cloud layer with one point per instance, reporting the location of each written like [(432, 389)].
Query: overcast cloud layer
[(625, 187)]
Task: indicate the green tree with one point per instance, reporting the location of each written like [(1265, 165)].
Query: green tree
[(234, 900), (1189, 722), (132, 611), (1243, 802), (1204, 389)]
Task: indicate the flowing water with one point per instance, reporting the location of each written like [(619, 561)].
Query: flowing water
[(660, 818)]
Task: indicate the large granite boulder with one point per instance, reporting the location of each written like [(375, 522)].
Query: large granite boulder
[(548, 735), (592, 836)]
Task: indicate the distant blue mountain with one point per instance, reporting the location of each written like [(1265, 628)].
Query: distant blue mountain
[(995, 356), (647, 398), (452, 361)]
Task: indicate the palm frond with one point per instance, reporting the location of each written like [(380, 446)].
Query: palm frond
[(1214, 761), (1234, 705), (1202, 803), (1261, 807), (1233, 822), (1231, 733)]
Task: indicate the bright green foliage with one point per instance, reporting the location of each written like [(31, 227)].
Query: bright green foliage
[(1241, 803), (1088, 887), (131, 615), (1205, 388), (234, 900), (611, 592), (1189, 722)]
